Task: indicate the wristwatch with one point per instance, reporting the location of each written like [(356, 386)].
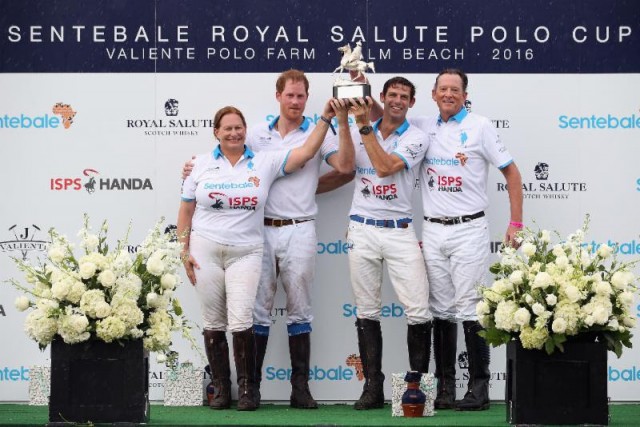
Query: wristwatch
[(366, 130)]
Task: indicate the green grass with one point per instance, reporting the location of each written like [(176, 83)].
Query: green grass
[(326, 415)]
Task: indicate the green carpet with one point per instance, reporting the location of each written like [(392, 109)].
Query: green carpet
[(326, 415)]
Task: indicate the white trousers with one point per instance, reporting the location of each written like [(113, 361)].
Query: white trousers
[(226, 283), (399, 249), (457, 259), (290, 253)]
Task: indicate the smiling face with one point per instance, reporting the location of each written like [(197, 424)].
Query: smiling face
[(397, 101), (231, 133), (293, 100), (449, 95)]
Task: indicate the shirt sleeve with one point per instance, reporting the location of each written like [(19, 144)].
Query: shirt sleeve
[(329, 146), (412, 147), (189, 184), (277, 160)]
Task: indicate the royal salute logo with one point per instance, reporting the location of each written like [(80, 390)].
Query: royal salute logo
[(91, 181), (171, 107), (26, 239), (173, 125), (541, 171), (544, 187), (61, 114)]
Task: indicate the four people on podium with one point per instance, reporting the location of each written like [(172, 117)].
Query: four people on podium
[(237, 241)]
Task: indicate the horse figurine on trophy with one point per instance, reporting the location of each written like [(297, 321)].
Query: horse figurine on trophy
[(352, 60)]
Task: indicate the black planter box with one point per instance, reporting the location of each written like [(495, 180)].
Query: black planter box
[(562, 388), (99, 382)]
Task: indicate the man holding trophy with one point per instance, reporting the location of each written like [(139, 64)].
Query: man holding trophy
[(381, 229)]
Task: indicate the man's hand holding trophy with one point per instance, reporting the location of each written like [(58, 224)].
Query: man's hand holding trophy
[(352, 60)]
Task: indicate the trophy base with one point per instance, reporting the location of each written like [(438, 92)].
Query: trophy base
[(352, 90)]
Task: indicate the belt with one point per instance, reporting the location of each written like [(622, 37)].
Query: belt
[(455, 219), (386, 223), (271, 222)]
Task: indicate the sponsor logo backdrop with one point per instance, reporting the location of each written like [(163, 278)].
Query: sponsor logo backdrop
[(90, 122)]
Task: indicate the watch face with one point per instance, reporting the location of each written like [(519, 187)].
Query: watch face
[(366, 130)]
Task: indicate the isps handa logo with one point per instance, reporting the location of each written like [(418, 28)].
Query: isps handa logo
[(62, 115), (545, 187), (24, 239), (169, 124), (91, 181)]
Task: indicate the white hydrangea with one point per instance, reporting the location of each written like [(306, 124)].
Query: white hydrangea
[(504, 315), (56, 253), (110, 328)]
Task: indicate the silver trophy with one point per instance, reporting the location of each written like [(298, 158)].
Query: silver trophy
[(352, 60)]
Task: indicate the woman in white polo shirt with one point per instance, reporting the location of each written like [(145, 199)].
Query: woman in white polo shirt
[(220, 223)]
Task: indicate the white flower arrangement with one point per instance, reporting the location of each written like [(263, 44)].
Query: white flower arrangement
[(109, 296), (546, 293)]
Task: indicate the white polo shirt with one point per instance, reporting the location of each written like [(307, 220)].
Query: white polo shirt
[(454, 172), (294, 196), (388, 197), (230, 199)]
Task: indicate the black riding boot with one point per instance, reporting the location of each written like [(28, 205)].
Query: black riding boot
[(300, 352), (370, 345), (244, 353), (419, 346), (477, 396), (261, 350), (445, 342), (217, 349)]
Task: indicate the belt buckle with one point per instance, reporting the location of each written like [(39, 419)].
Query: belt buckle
[(278, 222), (447, 221)]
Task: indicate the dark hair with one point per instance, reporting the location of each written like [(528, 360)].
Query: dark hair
[(399, 81), (456, 71), (223, 112), (293, 75)]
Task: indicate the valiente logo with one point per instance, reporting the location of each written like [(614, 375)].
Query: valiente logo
[(25, 239)]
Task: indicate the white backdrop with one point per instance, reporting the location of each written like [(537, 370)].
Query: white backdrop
[(595, 171)]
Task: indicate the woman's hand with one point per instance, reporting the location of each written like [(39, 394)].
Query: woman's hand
[(190, 265)]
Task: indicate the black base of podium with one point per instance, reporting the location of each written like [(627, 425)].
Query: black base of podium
[(562, 388), (99, 383)]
